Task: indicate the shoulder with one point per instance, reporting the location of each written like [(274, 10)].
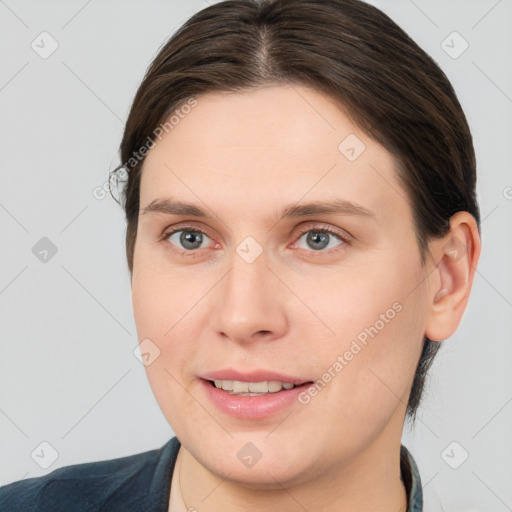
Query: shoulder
[(126, 483)]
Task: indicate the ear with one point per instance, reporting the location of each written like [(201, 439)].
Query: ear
[(457, 256)]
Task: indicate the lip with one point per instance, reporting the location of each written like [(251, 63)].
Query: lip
[(252, 407), (253, 376)]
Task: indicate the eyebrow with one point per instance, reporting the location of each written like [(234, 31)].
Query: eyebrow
[(171, 206)]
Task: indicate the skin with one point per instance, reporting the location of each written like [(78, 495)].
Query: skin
[(244, 157)]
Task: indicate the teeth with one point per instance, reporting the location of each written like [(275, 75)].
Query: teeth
[(258, 387), (227, 385), (273, 386), (240, 387), (252, 388)]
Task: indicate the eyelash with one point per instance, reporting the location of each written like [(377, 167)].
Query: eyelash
[(316, 229)]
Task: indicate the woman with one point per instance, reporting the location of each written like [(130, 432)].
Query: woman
[(302, 232)]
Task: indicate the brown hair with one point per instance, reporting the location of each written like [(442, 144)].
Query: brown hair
[(346, 49)]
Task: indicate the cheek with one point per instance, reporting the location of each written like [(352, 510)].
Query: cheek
[(166, 309), (378, 321), (160, 309), (373, 300), (162, 300)]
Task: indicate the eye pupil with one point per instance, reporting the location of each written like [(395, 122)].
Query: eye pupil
[(316, 237), (191, 239)]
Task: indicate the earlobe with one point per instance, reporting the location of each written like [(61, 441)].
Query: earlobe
[(457, 255)]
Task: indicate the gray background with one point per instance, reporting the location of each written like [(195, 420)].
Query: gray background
[(68, 374)]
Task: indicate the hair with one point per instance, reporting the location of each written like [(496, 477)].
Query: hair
[(351, 52)]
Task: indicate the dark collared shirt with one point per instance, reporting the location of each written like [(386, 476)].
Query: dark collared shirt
[(137, 483)]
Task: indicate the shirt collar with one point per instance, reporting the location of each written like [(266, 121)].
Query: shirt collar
[(411, 478)]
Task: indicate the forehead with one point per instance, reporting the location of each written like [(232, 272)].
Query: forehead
[(269, 145)]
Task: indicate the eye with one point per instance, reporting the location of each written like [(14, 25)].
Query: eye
[(187, 239), (321, 239)]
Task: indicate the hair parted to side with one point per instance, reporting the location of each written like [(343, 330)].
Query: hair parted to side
[(346, 49)]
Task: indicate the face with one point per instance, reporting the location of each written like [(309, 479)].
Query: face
[(302, 268)]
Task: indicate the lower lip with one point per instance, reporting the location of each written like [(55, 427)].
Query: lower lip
[(252, 407)]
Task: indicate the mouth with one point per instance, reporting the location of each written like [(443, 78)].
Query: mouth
[(252, 395), (259, 388)]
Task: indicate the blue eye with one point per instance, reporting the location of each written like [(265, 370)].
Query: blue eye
[(319, 239), (187, 239)]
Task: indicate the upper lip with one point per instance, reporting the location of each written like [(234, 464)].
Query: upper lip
[(252, 376)]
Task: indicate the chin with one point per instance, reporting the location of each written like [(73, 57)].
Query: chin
[(251, 460)]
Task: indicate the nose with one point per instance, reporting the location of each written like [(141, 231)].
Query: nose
[(249, 303)]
